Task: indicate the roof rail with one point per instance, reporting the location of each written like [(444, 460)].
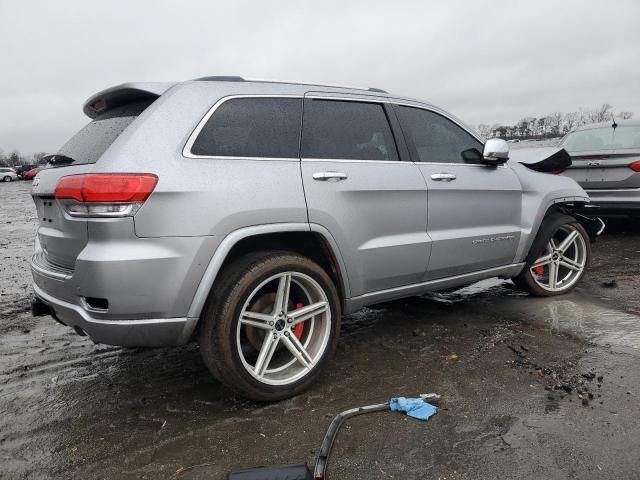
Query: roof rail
[(232, 78), (220, 78)]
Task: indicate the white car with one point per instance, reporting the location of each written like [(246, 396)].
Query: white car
[(8, 174)]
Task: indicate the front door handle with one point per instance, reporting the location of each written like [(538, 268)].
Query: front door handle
[(329, 176), (443, 177)]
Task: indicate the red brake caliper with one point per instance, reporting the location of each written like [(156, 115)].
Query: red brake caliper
[(539, 270), (299, 328)]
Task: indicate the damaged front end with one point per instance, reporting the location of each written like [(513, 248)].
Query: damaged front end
[(554, 160)]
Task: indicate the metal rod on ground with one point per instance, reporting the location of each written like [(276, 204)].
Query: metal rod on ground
[(336, 423)]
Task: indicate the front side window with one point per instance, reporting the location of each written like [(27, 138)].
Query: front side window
[(252, 127), (347, 130), (591, 139), (436, 138)]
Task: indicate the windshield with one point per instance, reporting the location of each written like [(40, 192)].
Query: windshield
[(592, 139), (627, 137), (88, 145)]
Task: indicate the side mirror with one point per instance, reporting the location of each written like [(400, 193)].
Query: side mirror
[(496, 152)]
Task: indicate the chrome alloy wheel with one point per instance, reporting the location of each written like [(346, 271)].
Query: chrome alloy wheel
[(564, 260), (284, 328)]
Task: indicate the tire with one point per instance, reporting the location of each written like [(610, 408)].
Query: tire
[(6, 179), (548, 271), (249, 287)]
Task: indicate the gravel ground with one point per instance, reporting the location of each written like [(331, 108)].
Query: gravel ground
[(509, 368)]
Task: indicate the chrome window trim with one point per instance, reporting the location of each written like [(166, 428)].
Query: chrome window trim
[(462, 164), (347, 160), (348, 97), (186, 151)]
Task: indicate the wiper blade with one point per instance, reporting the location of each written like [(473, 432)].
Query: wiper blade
[(57, 159)]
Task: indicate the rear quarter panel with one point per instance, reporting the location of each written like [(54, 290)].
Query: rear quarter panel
[(201, 196)]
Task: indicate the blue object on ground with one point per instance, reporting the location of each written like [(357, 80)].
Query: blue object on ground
[(414, 407)]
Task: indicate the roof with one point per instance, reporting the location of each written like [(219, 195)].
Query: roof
[(136, 91)]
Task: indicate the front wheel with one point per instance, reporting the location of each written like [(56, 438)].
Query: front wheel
[(270, 325), (6, 179), (561, 265)]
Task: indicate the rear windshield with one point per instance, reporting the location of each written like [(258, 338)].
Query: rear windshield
[(592, 139), (627, 137), (88, 145)]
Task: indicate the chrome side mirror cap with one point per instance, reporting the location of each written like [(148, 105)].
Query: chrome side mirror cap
[(496, 152)]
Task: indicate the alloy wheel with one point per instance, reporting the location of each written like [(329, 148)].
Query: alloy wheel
[(284, 328), (563, 262)]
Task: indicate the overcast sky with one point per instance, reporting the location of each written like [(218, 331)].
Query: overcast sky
[(485, 61)]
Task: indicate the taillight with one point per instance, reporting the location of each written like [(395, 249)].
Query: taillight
[(104, 194), (635, 166)]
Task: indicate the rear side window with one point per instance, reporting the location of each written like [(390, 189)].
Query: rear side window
[(88, 145), (252, 127), (434, 137), (347, 130), (591, 139)]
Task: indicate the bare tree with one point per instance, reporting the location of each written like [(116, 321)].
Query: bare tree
[(37, 157), (604, 113), (625, 115), (14, 158), (571, 120), (484, 130)]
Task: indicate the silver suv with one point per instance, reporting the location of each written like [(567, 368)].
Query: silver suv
[(252, 215)]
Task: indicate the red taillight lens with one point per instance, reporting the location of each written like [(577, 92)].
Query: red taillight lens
[(635, 166), (106, 187)]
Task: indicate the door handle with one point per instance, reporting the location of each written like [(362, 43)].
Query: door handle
[(329, 176), (443, 177)]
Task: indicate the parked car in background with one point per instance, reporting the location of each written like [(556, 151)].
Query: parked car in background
[(295, 217), (8, 174), (30, 174), (606, 163), (22, 169)]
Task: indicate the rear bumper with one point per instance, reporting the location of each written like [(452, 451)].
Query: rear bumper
[(147, 285), (620, 201), (127, 333)]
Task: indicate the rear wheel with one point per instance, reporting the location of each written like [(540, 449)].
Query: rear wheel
[(270, 325), (561, 265)]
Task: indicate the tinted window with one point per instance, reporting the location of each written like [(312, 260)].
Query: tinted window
[(627, 137), (252, 127), (347, 130), (88, 145), (435, 138), (592, 139)]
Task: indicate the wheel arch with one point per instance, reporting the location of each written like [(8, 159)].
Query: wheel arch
[(568, 206), (313, 241)]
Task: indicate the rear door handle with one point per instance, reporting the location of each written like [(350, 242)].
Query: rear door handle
[(329, 176), (443, 177)]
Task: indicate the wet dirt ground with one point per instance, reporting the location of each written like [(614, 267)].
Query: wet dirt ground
[(502, 361)]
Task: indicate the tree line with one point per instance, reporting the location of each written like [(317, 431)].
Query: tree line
[(15, 158), (552, 125)]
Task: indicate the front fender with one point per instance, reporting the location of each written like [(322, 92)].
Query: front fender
[(541, 192)]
